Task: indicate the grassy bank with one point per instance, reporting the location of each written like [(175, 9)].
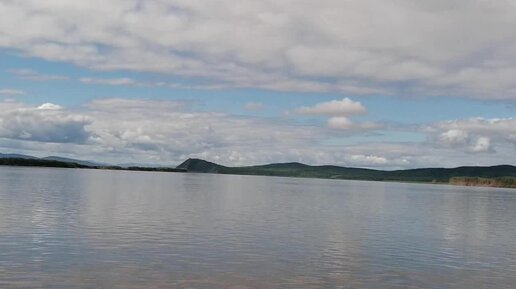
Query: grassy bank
[(502, 182)]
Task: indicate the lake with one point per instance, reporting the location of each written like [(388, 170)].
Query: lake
[(72, 228)]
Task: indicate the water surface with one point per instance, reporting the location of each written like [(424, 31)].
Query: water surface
[(71, 228)]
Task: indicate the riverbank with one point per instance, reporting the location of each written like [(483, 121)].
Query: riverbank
[(501, 182)]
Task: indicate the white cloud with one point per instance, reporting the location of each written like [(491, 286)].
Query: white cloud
[(340, 122), (111, 81), (344, 123), (11, 92), (47, 123), (482, 144), (476, 135), (454, 137), (167, 132), (339, 112), (343, 107), (353, 47), (49, 106), (369, 159)]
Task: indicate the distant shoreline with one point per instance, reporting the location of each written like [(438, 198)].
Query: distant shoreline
[(493, 176), (21, 162), (422, 176)]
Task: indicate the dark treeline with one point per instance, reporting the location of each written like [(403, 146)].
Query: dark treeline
[(59, 164), (39, 163)]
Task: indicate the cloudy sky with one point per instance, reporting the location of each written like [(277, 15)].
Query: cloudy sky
[(368, 83)]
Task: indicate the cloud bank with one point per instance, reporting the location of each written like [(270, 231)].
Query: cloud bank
[(167, 132), (475, 135), (47, 123), (449, 48)]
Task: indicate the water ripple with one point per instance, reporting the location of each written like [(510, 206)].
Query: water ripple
[(111, 229)]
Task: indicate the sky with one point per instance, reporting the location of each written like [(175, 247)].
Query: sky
[(365, 83)]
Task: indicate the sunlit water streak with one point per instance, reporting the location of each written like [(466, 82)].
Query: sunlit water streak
[(65, 228)]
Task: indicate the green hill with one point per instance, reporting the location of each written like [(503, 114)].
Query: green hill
[(201, 166), (436, 175), (69, 160)]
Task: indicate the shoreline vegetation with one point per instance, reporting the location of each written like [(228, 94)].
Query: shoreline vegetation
[(25, 162), (501, 182), (503, 176)]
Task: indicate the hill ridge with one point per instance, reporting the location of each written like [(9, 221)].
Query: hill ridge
[(294, 169)]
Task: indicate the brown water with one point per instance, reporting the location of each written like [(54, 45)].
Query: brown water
[(65, 228)]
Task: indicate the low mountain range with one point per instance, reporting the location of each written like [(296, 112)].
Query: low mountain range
[(502, 175), (62, 162), (16, 156), (496, 176), (52, 158)]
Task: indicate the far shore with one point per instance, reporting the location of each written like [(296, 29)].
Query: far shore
[(499, 182)]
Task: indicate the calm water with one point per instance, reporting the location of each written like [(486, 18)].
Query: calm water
[(65, 228)]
